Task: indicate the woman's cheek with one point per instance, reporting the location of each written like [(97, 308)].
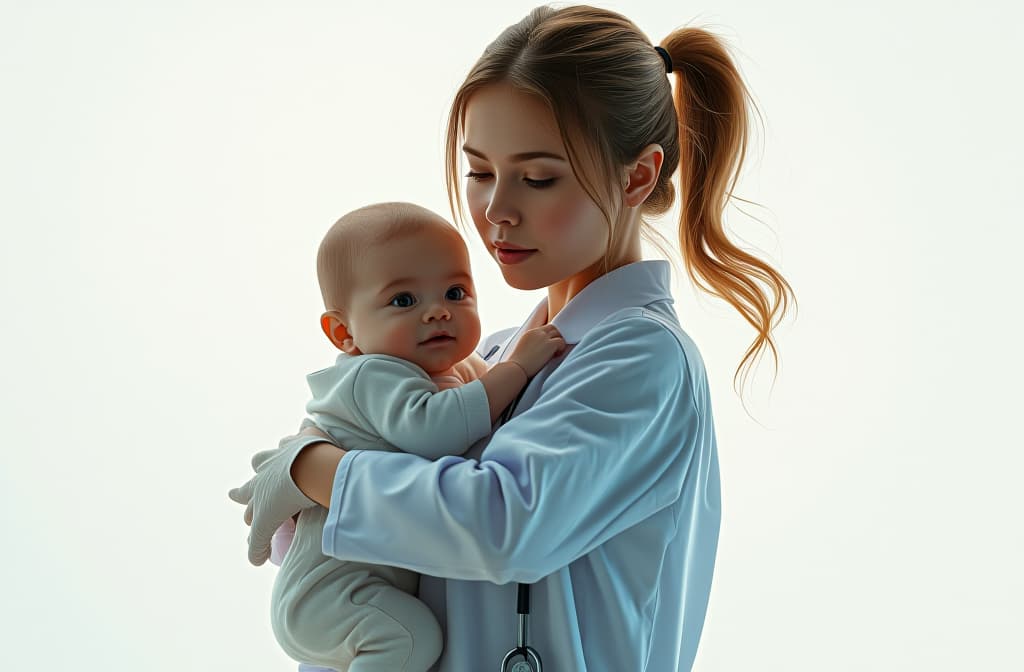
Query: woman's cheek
[(569, 221), (477, 210)]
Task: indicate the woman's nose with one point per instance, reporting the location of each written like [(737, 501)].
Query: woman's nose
[(500, 210)]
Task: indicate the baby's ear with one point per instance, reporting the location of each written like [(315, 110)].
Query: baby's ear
[(337, 333)]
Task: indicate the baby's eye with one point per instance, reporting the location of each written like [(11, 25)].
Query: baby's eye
[(403, 295), (456, 294)]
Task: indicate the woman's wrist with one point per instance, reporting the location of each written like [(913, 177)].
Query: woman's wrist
[(313, 470)]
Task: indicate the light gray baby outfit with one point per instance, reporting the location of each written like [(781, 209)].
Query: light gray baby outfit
[(325, 611)]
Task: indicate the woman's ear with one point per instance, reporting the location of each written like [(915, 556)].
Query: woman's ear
[(337, 333), (642, 175)]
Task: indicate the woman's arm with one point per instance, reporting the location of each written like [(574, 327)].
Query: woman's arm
[(270, 497), (610, 442), (314, 468)]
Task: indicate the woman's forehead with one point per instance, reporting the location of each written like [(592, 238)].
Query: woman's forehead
[(503, 123)]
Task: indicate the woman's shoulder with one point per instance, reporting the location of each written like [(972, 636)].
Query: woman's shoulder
[(649, 337), (641, 326), (632, 359)]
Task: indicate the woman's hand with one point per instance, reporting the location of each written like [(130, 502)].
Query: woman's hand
[(271, 496)]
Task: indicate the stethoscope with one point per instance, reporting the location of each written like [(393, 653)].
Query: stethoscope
[(530, 659)]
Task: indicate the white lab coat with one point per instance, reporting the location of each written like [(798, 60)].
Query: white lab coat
[(602, 490)]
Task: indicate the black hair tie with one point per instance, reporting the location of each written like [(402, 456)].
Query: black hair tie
[(665, 57)]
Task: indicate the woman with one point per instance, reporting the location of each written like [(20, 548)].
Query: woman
[(602, 487)]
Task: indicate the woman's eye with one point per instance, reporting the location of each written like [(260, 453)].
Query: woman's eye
[(536, 184), (399, 297), (459, 292)]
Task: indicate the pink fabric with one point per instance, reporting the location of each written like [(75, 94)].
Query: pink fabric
[(281, 541)]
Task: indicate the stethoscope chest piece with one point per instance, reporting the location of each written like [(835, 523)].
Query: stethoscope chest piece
[(531, 662)]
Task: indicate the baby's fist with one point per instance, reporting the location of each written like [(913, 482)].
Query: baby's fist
[(536, 347)]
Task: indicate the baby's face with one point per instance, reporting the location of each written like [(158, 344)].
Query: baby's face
[(410, 289)]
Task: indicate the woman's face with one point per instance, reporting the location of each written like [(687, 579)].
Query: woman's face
[(522, 192)]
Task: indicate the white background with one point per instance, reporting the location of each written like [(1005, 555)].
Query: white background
[(167, 170)]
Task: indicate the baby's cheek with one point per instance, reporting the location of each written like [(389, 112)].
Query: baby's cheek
[(401, 345), (472, 332)]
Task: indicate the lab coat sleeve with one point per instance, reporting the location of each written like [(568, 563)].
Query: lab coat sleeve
[(606, 445), (407, 410)]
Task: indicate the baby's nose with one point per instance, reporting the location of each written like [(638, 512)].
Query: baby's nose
[(437, 311)]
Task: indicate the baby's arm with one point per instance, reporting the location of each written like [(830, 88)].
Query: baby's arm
[(393, 399), (406, 409), (505, 380)]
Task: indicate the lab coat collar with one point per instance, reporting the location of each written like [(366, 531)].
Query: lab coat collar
[(636, 284)]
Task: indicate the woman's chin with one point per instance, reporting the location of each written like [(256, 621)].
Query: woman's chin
[(518, 280)]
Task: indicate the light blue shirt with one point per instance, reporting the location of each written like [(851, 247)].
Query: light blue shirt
[(602, 490)]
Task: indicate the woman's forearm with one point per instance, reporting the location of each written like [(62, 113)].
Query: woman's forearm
[(313, 471)]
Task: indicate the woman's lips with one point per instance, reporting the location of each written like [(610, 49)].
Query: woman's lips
[(513, 256)]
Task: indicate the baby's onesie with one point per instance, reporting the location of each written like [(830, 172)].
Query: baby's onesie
[(324, 611)]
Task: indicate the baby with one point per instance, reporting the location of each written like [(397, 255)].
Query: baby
[(401, 307)]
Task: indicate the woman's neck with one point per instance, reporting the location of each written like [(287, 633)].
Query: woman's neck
[(562, 292)]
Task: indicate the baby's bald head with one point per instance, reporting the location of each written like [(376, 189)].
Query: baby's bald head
[(337, 261)]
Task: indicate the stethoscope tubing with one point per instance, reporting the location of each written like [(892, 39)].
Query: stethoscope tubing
[(528, 653)]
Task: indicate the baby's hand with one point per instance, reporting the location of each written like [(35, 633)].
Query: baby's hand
[(537, 347)]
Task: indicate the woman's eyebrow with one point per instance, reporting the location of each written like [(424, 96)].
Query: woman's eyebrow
[(516, 158)]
